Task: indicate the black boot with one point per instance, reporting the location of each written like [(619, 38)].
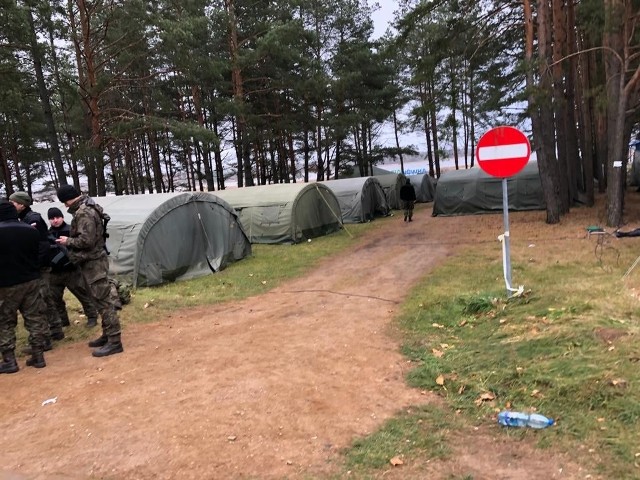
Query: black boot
[(36, 360), (57, 335), (113, 346), (92, 322), (65, 321), (47, 347), (99, 342), (9, 364)]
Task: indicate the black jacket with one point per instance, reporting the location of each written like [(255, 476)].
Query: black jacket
[(408, 193), (30, 217), (59, 260), (19, 249)]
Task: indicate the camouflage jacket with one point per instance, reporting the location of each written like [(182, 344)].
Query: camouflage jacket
[(86, 239)]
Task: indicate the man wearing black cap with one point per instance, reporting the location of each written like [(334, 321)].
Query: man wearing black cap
[(22, 201), (65, 274), (20, 289), (86, 246)]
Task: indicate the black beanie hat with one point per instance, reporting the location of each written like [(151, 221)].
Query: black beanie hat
[(7, 211), (67, 192), (54, 212)]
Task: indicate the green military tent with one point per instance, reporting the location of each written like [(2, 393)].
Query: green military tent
[(158, 238), (391, 184), (424, 186), (472, 191), (285, 212), (361, 198)]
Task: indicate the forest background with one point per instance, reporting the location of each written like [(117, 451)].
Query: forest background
[(143, 96)]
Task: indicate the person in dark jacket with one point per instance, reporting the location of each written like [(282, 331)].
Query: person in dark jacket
[(20, 289), (86, 246), (65, 274), (22, 201), (408, 197)]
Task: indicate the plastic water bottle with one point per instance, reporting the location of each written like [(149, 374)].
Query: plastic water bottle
[(519, 419)]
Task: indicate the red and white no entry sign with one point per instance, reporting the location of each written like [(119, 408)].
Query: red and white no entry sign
[(503, 151)]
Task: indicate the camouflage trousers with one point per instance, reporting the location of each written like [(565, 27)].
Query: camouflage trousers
[(74, 281), (55, 323), (26, 298), (95, 273), (407, 206)]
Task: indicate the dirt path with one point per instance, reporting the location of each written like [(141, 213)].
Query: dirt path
[(270, 387)]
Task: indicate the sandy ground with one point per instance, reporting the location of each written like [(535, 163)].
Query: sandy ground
[(270, 387)]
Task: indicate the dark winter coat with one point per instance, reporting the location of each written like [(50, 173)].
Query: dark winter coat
[(19, 249), (31, 218), (60, 261), (407, 193)]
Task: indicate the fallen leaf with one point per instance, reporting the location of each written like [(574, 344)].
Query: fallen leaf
[(444, 346), (536, 393), (395, 461), (461, 389), (487, 396), (437, 353), (619, 382), (611, 348), (264, 282), (440, 380), (437, 325)]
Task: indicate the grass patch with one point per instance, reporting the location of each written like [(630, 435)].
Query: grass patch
[(548, 351), (417, 432)]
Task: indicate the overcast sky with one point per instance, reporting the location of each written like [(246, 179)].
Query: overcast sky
[(383, 16)]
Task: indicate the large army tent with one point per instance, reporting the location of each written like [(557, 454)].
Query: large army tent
[(472, 191), (424, 186), (391, 184), (285, 212), (159, 238), (361, 198)]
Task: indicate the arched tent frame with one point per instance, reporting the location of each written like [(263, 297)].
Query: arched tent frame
[(158, 238), (391, 184), (285, 212), (424, 186), (361, 198)]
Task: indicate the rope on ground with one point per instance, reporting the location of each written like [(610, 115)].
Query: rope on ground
[(343, 294)]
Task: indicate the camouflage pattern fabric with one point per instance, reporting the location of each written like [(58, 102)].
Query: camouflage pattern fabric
[(27, 298), (53, 318), (104, 296), (87, 250), (74, 281), (408, 208), (86, 240)]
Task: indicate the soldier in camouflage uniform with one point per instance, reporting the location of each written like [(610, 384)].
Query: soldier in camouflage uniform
[(65, 274), (22, 201), (86, 247), (20, 290)]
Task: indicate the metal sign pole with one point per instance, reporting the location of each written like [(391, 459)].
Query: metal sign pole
[(505, 241)]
